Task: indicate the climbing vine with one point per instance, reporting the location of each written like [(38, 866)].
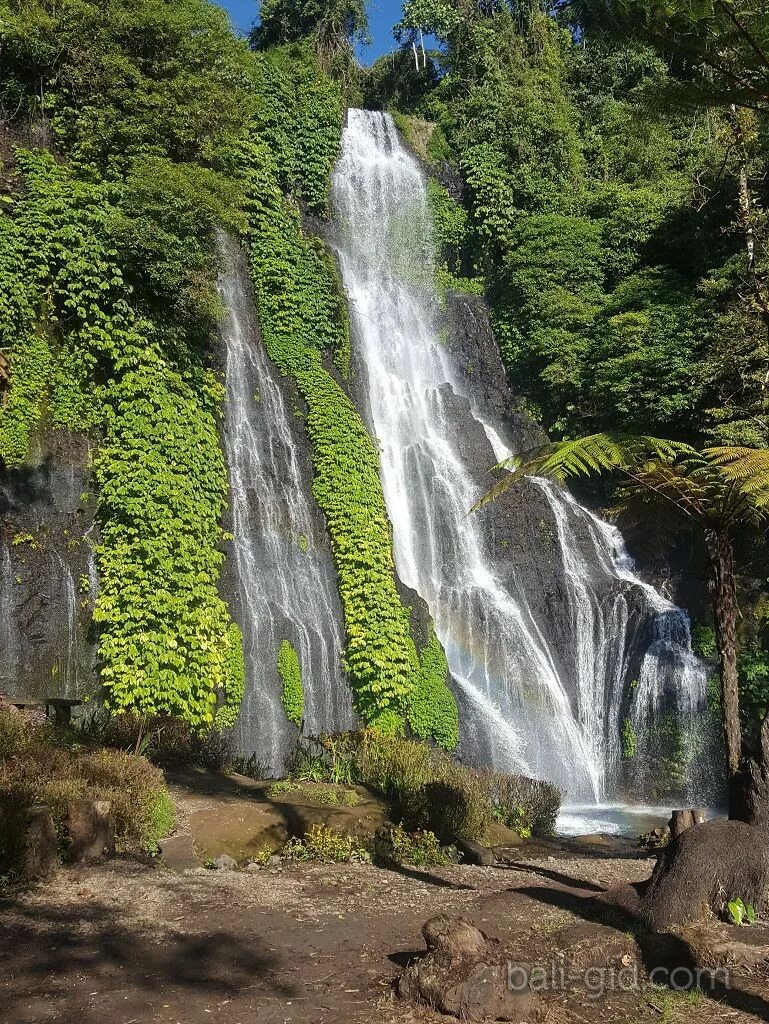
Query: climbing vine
[(432, 710), (293, 692), (85, 357)]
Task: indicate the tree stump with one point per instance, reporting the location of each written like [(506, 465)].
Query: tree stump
[(679, 822), (40, 852), (89, 825)]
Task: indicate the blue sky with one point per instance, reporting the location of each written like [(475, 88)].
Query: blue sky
[(383, 14)]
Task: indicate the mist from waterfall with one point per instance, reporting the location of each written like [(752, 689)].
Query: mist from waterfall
[(285, 580), (526, 707)]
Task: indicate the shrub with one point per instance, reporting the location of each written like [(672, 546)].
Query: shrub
[(431, 790), (525, 805), (16, 732), (142, 810), (327, 844), (421, 848), (458, 808), (166, 740), (40, 772)]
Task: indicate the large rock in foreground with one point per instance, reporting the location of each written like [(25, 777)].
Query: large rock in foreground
[(465, 974), (704, 868)]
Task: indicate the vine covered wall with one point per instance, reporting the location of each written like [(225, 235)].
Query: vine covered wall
[(303, 316)]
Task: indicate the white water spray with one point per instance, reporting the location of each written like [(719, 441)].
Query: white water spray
[(526, 706), (285, 579)]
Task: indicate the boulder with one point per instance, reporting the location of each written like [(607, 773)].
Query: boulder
[(90, 830), (178, 853), (465, 974), (474, 853), (225, 863), (40, 852)]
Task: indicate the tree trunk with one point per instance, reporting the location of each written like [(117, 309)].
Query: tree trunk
[(748, 218), (725, 610), (756, 782)]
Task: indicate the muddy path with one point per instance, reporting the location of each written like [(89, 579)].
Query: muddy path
[(131, 943)]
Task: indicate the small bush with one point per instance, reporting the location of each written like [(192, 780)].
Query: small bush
[(317, 792), (41, 772), (458, 808), (421, 848), (165, 740), (16, 731), (327, 844), (427, 788), (431, 790)]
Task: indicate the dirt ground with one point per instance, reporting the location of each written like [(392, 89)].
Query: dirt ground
[(133, 943)]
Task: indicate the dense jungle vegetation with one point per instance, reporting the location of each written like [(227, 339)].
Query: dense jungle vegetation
[(598, 173)]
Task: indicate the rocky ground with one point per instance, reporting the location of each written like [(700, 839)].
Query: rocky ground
[(132, 943)]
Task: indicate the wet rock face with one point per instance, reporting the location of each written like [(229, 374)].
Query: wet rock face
[(471, 341), (48, 581)]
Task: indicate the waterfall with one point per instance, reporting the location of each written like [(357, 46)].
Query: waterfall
[(10, 649), (528, 705), (69, 661), (286, 584)]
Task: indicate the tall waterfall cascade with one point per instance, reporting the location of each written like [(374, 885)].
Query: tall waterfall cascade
[(286, 584), (528, 702)]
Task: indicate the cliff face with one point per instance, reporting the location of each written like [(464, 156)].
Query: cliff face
[(47, 574)]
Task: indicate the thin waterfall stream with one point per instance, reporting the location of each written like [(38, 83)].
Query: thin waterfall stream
[(286, 583), (528, 703)]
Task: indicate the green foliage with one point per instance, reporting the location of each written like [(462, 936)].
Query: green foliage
[(155, 79), (380, 656), (432, 711), (740, 913), (293, 692), (36, 767), (429, 790), (629, 740), (394, 844), (330, 21), (327, 844), (166, 638), (108, 305), (317, 793)]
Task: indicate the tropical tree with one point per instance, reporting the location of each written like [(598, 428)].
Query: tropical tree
[(721, 47), (714, 493), (334, 23)]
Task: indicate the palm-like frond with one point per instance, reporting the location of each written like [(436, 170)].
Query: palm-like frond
[(585, 456), (748, 468)]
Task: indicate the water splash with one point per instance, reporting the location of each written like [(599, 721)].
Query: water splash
[(285, 579)]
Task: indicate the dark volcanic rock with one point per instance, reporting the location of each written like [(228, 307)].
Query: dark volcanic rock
[(48, 579), (475, 853), (472, 343)]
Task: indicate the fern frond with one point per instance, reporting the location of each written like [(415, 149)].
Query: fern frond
[(746, 467), (585, 456)]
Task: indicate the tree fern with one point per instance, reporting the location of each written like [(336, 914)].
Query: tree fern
[(585, 456)]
